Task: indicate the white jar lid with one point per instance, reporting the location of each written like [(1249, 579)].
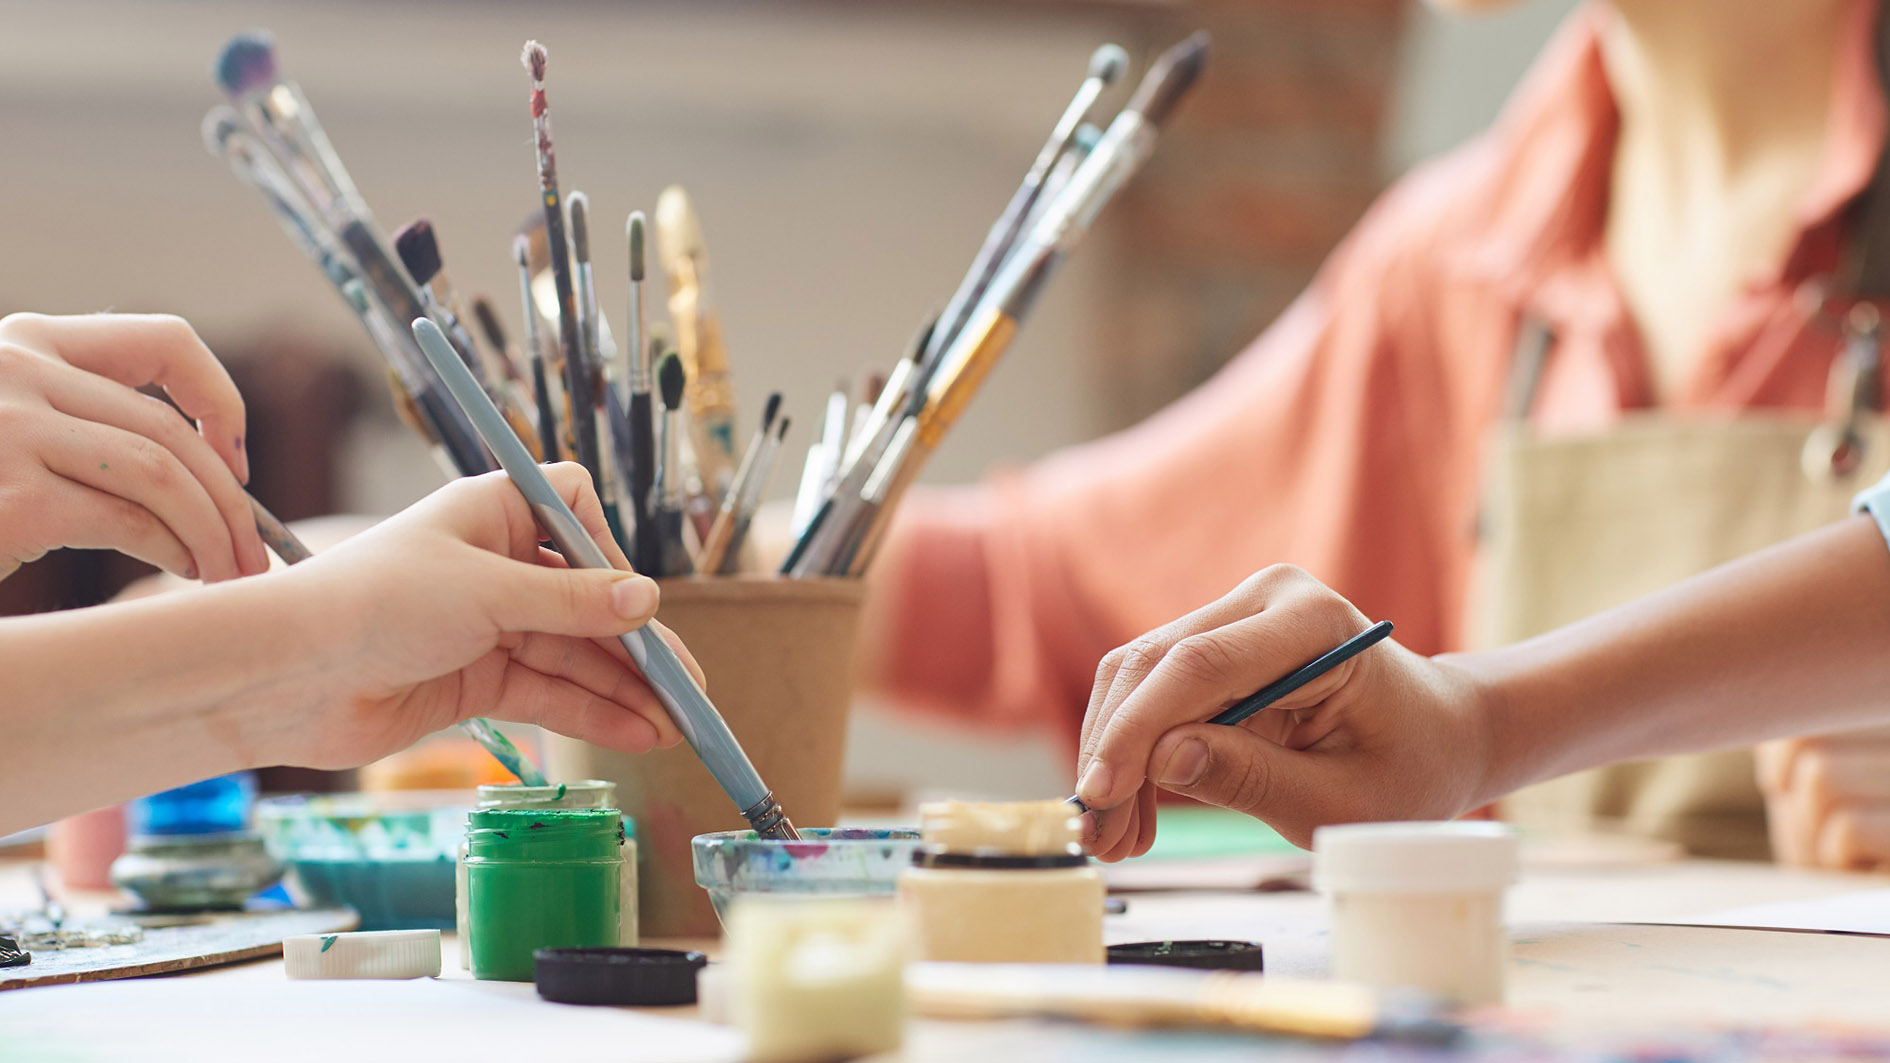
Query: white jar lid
[(363, 954), (1414, 857)]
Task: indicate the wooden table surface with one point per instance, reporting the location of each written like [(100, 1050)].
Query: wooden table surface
[(1579, 963)]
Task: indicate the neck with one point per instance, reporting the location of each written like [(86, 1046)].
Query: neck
[(1719, 84)]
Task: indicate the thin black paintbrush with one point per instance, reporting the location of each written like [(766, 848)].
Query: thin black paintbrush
[(577, 377), (548, 434), (1299, 677), (642, 471), (670, 491), (590, 342), (751, 499)]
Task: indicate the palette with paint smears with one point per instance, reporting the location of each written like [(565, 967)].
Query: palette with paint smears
[(826, 862)]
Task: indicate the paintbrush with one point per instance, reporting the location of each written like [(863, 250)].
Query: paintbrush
[(821, 470), (698, 337), (701, 726), (715, 545), (870, 389), (293, 551), (1299, 677), (1137, 997), (577, 376), (548, 434), (962, 368), (1085, 141), (590, 343), (730, 561), (1106, 64), (639, 349), (820, 538), (511, 390), (419, 252), (286, 125), (669, 492)]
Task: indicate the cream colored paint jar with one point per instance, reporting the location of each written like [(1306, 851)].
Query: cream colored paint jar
[(1419, 905), (1003, 883)]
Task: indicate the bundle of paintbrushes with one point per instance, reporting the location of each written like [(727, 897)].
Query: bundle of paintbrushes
[(849, 492), (656, 424)]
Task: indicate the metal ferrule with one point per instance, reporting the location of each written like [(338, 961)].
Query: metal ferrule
[(768, 820)]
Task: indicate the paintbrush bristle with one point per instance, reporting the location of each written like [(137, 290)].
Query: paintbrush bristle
[(875, 383), (1107, 63), (488, 319), (419, 250), (1170, 79), (768, 411), (678, 232), (219, 125), (522, 250), (780, 430), (670, 380), (534, 58), (579, 206), (633, 232), (247, 63)]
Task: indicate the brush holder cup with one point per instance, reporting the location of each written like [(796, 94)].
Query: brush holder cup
[(778, 654)]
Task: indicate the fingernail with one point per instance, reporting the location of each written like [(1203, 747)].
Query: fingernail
[(634, 598), (1094, 785), (1183, 766)]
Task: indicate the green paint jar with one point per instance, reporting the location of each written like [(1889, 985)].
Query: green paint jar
[(539, 879)]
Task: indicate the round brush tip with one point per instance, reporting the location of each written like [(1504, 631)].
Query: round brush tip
[(634, 233), (670, 380), (534, 58), (488, 319), (1173, 74), (247, 63), (1108, 63), (579, 206), (781, 428), (419, 250), (522, 250), (768, 411)]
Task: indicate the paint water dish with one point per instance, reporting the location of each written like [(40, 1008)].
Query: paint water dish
[(826, 861)]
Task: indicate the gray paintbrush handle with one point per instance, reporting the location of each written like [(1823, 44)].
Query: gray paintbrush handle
[(701, 725)]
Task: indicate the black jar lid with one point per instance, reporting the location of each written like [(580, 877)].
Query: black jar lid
[(617, 976), (1213, 955)]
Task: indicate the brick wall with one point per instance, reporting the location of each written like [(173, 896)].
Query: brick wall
[(1267, 166)]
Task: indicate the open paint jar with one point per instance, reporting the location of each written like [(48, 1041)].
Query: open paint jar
[(827, 861), (389, 856), (540, 879), (585, 793)]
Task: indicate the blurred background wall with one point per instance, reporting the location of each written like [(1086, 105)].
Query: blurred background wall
[(846, 157)]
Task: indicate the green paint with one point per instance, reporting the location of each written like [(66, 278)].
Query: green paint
[(538, 879), (102, 465), (328, 941)]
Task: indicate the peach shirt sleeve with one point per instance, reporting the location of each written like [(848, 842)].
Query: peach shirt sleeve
[(994, 603)]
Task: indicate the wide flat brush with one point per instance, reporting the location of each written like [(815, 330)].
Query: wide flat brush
[(419, 251), (695, 716), (577, 378), (685, 260)]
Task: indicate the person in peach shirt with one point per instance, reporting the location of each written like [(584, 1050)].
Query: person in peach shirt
[(1669, 191)]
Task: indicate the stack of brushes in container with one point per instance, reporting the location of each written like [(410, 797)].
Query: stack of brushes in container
[(655, 422)]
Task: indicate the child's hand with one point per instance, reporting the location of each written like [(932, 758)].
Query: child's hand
[(86, 461)]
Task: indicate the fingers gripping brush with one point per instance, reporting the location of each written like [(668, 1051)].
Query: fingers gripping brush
[(701, 725)]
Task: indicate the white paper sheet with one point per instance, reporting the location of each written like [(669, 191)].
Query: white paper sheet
[(1863, 912), (422, 1019)]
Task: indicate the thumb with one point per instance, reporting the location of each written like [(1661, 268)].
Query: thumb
[(1234, 768), (585, 603)]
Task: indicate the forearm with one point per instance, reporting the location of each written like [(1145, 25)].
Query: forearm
[(1793, 640), (113, 702)]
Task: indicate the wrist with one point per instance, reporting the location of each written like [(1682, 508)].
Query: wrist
[(1487, 694)]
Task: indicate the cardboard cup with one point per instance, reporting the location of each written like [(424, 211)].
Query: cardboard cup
[(778, 654)]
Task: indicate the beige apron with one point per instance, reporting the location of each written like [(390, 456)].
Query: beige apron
[(1574, 526)]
